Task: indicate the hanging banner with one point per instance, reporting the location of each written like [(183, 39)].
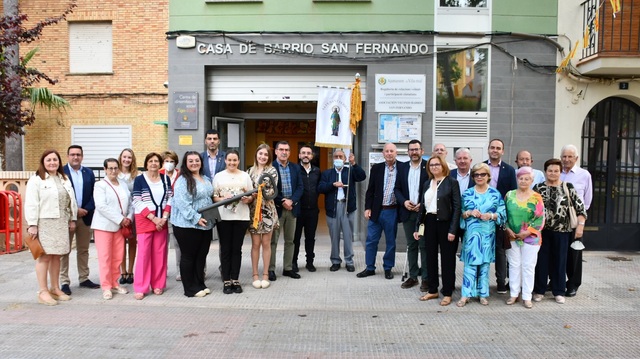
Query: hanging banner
[(333, 117)]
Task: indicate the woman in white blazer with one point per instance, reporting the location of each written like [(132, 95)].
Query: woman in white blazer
[(112, 216), (50, 211)]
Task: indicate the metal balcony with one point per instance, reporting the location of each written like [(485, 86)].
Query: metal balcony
[(614, 50)]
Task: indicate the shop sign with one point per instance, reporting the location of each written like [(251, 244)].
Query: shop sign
[(327, 48), (185, 106)]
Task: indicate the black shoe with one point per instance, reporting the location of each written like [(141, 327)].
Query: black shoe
[(366, 273), (294, 267), (227, 288), (89, 284), (351, 268), (502, 289), (130, 278), (571, 293), (272, 276), (409, 283), (388, 274), (310, 267), (65, 289), (424, 286), (123, 278), (334, 267), (291, 274), (237, 288)]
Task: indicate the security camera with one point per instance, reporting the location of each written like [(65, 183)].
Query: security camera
[(166, 84)]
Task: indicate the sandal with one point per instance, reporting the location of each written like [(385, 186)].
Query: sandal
[(429, 296), (511, 300), (445, 301), (257, 284), (139, 296), (484, 301), (265, 281), (59, 295), (46, 301), (158, 291), (462, 302), (106, 295)]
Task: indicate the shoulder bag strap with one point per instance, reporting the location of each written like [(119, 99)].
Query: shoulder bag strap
[(118, 197)]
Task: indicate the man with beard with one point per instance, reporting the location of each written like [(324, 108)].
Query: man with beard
[(308, 218)]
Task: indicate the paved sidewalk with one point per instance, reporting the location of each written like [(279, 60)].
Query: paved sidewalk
[(323, 315)]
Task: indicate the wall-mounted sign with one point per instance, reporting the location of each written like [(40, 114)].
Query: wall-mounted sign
[(399, 128), (185, 114), (185, 140), (400, 93)]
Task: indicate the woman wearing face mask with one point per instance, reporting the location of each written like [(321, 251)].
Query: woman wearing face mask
[(338, 186), (169, 168)]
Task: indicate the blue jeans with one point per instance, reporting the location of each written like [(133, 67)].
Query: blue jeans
[(387, 222)]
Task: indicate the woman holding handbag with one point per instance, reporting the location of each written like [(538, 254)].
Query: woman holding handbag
[(111, 224), (50, 211), (558, 198)]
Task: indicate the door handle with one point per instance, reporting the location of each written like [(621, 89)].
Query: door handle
[(614, 191)]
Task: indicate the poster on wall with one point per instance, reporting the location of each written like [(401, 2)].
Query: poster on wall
[(185, 114), (400, 93), (399, 128)]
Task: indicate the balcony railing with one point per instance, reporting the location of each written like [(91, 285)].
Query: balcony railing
[(616, 37)]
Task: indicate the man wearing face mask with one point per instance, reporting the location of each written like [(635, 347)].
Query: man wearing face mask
[(338, 187)]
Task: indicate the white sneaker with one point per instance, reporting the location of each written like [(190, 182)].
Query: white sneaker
[(559, 299), (207, 291), (538, 297), (200, 294)]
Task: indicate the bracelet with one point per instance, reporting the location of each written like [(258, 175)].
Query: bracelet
[(581, 223)]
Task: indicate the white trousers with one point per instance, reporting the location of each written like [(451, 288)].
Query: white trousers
[(522, 269)]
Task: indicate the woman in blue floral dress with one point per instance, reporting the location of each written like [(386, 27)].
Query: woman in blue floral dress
[(482, 209)]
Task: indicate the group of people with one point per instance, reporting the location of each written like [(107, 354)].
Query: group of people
[(494, 211), (497, 213)]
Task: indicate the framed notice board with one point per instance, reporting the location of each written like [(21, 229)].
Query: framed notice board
[(399, 127)]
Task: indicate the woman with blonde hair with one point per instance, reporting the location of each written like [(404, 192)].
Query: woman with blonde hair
[(51, 211), (128, 173), (261, 234)]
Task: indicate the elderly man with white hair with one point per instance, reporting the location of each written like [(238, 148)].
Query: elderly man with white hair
[(581, 180)]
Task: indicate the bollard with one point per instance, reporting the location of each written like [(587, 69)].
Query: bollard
[(11, 222)]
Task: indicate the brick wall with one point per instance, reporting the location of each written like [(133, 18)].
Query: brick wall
[(133, 94)]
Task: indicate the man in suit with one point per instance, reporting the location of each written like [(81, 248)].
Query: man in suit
[(462, 174), (308, 219), (287, 203), (82, 180), (411, 176), (213, 157), (381, 209), (503, 178), (338, 186), (463, 171)]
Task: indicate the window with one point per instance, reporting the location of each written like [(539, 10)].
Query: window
[(90, 48), (462, 79), (100, 142), (463, 3)]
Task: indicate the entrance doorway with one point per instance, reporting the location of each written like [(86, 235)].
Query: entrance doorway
[(611, 153)]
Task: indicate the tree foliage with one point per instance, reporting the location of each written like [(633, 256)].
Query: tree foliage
[(17, 80)]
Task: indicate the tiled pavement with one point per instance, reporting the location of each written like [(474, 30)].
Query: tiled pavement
[(323, 315)]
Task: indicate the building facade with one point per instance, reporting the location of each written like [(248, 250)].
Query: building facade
[(111, 62), (452, 72)]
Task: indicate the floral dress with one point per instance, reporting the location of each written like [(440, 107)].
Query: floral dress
[(269, 220)]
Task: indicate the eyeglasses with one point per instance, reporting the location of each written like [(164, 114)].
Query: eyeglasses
[(480, 174), (415, 149), (435, 165), (112, 168)]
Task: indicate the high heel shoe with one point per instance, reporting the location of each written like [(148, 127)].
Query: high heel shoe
[(123, 278), (49, 301), (257, 284), (265, 281)]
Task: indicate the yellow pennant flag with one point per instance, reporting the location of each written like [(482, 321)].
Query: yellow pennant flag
[(596, 22), (585, 38), (615, 7), (356, 106), (566, 60)]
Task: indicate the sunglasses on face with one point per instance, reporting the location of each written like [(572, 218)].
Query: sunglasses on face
[(480, 174)]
